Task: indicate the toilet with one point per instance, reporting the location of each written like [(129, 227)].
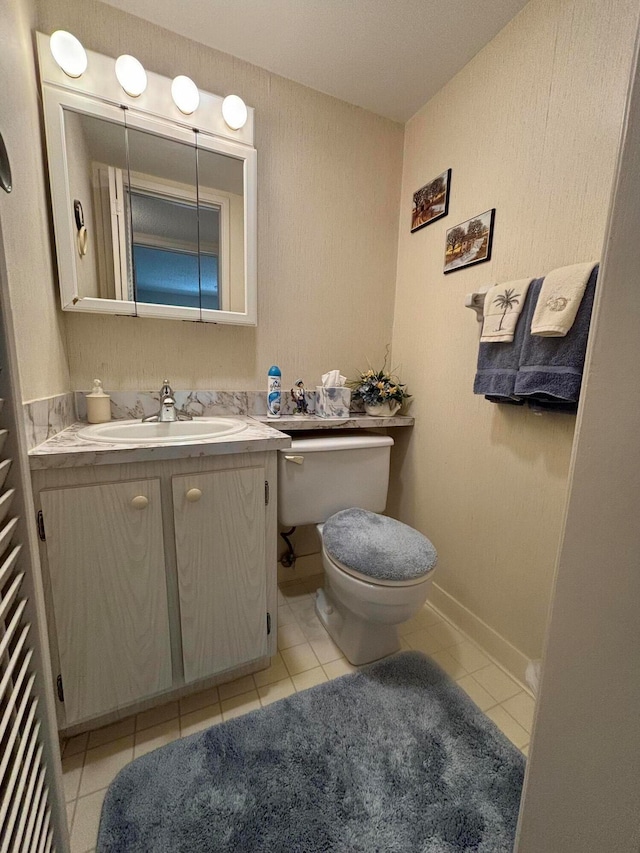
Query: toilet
[(377, 570)]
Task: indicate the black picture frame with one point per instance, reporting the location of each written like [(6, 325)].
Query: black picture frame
[(429, 204), (466, 234)]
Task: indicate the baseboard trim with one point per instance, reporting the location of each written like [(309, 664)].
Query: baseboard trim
[(500, 649), (305, 567)]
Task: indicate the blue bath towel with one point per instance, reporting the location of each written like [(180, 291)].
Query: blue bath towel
[(498, 363), (550, 369)]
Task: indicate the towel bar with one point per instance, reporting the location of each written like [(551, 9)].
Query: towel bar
[(476, 302)]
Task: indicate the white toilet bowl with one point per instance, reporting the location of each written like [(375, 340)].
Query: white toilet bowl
[(362, 616)]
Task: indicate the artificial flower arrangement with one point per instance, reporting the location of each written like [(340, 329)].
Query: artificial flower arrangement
[(381, 391)]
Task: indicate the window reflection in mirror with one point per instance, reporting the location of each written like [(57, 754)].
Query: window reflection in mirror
[(221, 209), (96, 160), (162, 220)]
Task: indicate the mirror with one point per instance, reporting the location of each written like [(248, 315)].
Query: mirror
[(151, 219)]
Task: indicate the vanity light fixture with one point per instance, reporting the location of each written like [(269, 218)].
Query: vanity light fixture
[(234, 112), (131, 75), (185, 94), (69, 53)]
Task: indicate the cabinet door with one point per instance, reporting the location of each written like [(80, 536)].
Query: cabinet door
[(106, 562), (220, 549)]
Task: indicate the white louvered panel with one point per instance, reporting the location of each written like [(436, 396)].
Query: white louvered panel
[(9, 563), (7, 717), (7, 600), (15, 621), (30, 796), (42, 825), (47, 845), (15, 657), (42, 809), (13, 736), (17, 779)]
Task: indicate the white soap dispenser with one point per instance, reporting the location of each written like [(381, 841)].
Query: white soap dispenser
[(98, 404)]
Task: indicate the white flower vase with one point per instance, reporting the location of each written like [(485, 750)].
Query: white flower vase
[(382, 410)]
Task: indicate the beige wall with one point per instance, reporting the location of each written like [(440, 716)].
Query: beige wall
[(530, 127), (24, 213), (328, 199)]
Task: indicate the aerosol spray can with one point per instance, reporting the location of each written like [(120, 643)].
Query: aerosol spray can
[(274, 391)]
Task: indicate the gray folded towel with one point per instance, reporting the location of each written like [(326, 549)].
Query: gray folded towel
[(498, 363), (551, 369)]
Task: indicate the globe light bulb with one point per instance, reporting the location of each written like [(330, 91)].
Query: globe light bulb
[(234, 112), (131, 75), (185, 94), (69, 53)]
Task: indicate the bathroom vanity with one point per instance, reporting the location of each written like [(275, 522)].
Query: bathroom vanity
[(159, 566)]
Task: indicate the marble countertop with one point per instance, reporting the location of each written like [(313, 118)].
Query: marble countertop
[(313, 422), (67, 450)]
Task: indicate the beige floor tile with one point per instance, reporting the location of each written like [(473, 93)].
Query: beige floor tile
[(422, 620), (237, 687), (325, 649), (521, 707), (71, 773), (202, 718), (156, 736), (102, 763), (285, 615), (157, 715), (476, 692), (525, 750), (404, 646), (278, 690), (446, 634), (86, 821), (239, 705), (304, 680), (312, 627), (432, 616), (275, 672), (76, 744), (294, 592), (113, 732), (71, 807), (290, 635), (508, 726), (195, 701), (469, 655), (281, 599), (497, 682), (299, 658), (423, 641), (336, 668), (450, 665)]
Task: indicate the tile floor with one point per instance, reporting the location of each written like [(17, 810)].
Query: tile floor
[(306, 656)]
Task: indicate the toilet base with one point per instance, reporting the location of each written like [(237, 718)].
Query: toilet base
[(359, 640)]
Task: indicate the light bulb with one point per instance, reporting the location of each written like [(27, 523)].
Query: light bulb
[(234, 112), (131, 75), (68, 53), (185, 94)]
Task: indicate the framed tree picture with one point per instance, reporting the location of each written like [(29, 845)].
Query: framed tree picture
[(470, 242), (431, 201)]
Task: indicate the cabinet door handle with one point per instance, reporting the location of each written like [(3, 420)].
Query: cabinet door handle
[(297, 459), (193, 495), (140, 502)]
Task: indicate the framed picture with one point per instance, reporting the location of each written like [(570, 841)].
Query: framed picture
[(470, 242), (431, 201)]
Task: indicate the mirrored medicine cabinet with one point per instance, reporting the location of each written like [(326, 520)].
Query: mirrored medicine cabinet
[(153, 216)]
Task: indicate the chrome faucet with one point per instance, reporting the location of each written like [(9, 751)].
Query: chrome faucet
[(168, 412)]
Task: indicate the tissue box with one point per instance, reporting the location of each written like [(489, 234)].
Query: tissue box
[(332, 402)]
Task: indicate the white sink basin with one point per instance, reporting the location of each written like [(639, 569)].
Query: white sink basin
[(131, 432)]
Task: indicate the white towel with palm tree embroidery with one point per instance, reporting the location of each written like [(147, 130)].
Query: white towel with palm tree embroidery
[(502, 306), (560, 297)]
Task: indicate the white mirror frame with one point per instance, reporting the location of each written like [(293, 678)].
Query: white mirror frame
[(101, 96)]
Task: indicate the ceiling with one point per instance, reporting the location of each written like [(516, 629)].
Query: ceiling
[(388, 56)]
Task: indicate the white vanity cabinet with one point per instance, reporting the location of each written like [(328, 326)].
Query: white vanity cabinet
[(108, 582), (160, 578), (220, 541)]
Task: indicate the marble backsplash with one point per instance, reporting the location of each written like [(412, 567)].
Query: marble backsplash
[(45, 418)]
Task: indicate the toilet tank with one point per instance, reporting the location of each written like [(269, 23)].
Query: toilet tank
[(319, 476)]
